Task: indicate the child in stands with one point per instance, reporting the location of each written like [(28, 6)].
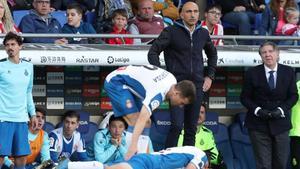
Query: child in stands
[(75, 24), (119, 19), (291, 28)]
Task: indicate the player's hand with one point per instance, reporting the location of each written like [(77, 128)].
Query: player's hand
[(114, 141), (34, 122), (131, 151), (207, 84), (264, 114)]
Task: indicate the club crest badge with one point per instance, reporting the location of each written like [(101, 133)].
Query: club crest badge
[(128, 104)]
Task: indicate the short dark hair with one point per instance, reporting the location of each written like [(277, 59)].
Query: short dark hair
[(113, 118), (71, 114), (13, 36), (121, 12), (41, 110), (187, 89), (268, 43), (209, 7), (77, 7)]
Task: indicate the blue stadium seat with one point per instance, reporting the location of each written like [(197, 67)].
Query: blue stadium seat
[(18, 15), (61, 16), (48, 127), (90, 17), (241, 145), (159, 129), (221, 138)]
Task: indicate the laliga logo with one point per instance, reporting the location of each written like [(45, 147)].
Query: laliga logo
[(110, 59)]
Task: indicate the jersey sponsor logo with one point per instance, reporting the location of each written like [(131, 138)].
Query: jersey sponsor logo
[(128, 104), (154, 104)]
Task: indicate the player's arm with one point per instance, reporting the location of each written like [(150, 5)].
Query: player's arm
[(143, 117)]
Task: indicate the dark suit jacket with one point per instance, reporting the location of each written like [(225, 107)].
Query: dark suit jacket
[(256, 93)]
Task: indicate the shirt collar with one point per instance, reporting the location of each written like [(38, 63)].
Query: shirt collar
[(268, 69)]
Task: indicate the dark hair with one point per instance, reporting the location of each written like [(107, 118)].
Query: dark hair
[(77, 7), (121, 12), (113, 118), (268, 43), (187, 89), (71, 114), (209, 7), (41, 110), (13, 36)]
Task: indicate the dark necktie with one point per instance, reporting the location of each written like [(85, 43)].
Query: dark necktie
[(271, 80)]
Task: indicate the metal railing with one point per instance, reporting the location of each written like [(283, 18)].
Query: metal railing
[(234, 38)]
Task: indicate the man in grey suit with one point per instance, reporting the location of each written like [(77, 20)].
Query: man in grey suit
[(268, 93)]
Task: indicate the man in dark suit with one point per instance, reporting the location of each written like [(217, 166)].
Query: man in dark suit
[(268, 93)]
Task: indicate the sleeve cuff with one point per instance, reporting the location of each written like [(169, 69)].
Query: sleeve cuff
[(256, 110), (282, 112)]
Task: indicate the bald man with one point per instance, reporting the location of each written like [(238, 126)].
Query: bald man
[(182, 44)]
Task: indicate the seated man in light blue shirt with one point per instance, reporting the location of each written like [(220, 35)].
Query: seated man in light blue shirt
[(109, 144)]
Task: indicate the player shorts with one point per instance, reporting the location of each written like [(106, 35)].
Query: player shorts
[(14, 139), (122, 100)]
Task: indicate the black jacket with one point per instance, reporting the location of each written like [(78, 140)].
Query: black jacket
[(257, 93), (183, 53)]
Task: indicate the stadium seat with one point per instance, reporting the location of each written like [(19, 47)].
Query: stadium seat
[(60, 16), (241, 145), (221, 138), (159, 129), (48, 127), (18, 15)]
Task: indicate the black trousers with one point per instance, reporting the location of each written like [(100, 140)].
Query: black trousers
[(295, 152), (271, 152), (186, 117)]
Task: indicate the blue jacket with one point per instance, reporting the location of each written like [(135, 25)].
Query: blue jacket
[(183, 52), (33, 23), (84, 28), (103, 151)]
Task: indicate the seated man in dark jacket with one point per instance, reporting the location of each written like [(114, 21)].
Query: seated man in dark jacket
[(39, 20)]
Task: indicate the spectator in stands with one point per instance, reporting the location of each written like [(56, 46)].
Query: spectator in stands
[(16, 102), (291, 27), (65, 141), (167, 9), (269, 92), (6, 21), (295, 133), (39, 20), (39, 143), (273, 17), (75, 25), (145, 22), (182, 44), (109, 144), (212, 22), (205, 140), (19, 4), (104, 10), (241, 13), (119, 19), (86, 5)]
